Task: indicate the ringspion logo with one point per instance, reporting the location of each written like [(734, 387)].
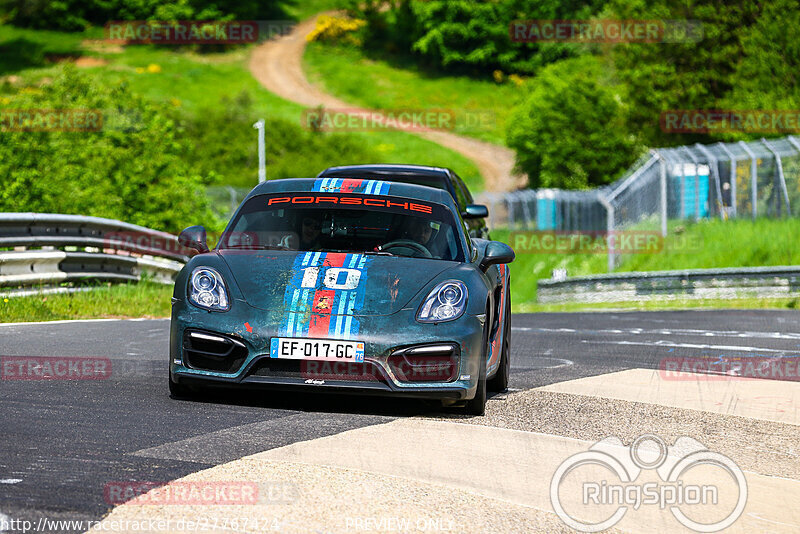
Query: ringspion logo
[(703, 490)]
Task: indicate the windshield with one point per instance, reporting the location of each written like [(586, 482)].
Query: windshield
[(331, 222)]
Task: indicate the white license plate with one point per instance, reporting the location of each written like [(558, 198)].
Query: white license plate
[(332, 350)]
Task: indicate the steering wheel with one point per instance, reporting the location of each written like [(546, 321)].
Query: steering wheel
[(408, 244)]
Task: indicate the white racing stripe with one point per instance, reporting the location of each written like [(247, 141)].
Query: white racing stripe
[(663, 343), (10, 480)]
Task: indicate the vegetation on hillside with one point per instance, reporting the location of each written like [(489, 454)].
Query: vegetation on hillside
[(588, 110)]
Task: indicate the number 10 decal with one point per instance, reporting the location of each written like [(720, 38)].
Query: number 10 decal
[(332, 278)]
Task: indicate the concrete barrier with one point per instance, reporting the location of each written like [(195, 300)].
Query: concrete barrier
[(728, 283)]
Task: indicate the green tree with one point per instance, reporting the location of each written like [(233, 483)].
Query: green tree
[(467, 36), (76, 15), (571, 129), (693, 74), (133, 169), (768, 75)]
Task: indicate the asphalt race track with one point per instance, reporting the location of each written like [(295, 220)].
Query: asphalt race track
[(63, 441)]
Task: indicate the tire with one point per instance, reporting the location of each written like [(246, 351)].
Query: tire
[(179, 391), (499, 381), (477, 404)]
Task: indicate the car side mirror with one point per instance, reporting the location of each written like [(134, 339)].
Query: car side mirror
[(496, 252), (194, 237), (475, 211)]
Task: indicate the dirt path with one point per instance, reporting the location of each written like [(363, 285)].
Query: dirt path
[(278, 65)]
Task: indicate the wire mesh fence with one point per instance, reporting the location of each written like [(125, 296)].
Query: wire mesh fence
[(225, 199), (723, 180)]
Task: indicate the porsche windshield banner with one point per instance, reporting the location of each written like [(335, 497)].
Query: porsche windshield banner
[(391, 203)]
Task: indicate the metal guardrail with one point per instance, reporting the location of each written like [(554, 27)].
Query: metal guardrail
[(727, 283), (43, 249)]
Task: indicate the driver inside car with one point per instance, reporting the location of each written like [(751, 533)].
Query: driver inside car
[(308, 238), (421, 232)]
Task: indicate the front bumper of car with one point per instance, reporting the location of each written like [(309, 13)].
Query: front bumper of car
[(401, 356)]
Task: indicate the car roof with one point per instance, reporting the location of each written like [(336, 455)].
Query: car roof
[(386, 168), (355, 186)]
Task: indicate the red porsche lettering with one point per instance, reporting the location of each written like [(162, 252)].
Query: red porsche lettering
[(351, 201), (420, 207)]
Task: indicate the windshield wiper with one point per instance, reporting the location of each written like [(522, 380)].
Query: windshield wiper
[(378, 253)]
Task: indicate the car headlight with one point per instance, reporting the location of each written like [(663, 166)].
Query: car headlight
[(446, 302), (207, 290)]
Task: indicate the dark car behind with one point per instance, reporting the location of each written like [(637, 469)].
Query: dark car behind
[(439, 177)]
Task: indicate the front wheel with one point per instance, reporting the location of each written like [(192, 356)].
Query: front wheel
[(477, 404), (499, 381), (179, 391)]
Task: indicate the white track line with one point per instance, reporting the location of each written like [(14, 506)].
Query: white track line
[(68, 321), (668, 332), (663, 343)]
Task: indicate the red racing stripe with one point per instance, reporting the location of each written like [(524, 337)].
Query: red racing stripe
[(321, 313), (349, 185), (334, 259)]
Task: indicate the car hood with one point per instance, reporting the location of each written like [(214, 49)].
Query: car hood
[(287, 281)]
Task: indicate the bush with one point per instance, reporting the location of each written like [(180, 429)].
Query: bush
[(570, 131), (224, 145), (330, 28), (134, 169), (467, 36), (77, 15)]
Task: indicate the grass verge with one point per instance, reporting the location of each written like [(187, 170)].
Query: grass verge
[(481, 107), (703, 245), (145, 299), (676, 304), (195, 83)]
